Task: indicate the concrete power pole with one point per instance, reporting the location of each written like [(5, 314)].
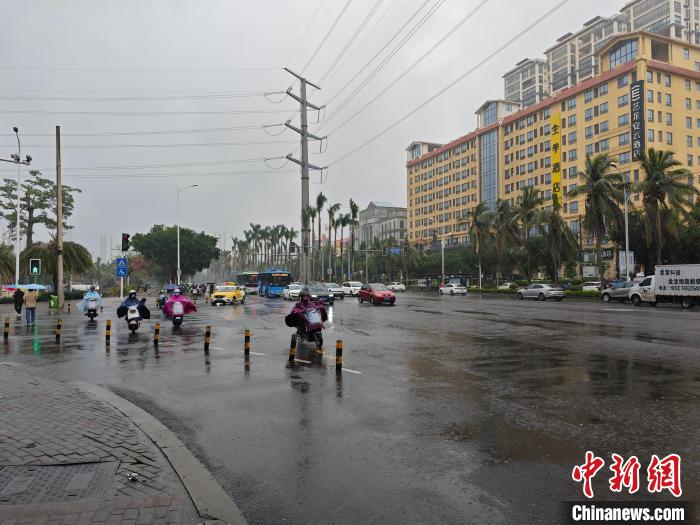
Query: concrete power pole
[(59, 221), (304, 163)]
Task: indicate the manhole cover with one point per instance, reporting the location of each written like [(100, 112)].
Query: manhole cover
[(54, 483)]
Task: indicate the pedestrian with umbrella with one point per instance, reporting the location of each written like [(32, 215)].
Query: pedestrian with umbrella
[(18, 298), (30, 299)]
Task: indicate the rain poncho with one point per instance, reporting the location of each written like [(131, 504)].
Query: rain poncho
[(87, 299), (170, 307), (308, 314)]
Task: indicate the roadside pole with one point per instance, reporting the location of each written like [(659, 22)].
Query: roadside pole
[(59, 222)]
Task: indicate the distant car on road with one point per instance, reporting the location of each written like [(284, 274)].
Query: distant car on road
[(319, 292), (291, 292), (376, 293), (591, 286), (336, 290), (619, 292), (351, 287), (396, 287), (227, 294), (504, 286), (453, 289), (540, 292)]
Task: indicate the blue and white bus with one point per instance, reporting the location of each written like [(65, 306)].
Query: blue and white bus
[(273, 281)]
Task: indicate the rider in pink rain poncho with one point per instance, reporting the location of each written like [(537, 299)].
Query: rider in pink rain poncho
[(170, 307)]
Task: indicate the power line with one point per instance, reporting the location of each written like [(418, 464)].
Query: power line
[(136, 133), (306, 32), (187, 145), (144, 113), (323, 41), (403, 74), (147, 98), (139, 70), (357, 32), (119, 176), (156, 166), (454, 82)]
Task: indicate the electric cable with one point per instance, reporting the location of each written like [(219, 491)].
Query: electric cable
[(323, 41)]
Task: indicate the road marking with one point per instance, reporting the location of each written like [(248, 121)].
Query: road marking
[(251, 353), (345, 369), (256, 353), (617, 310)]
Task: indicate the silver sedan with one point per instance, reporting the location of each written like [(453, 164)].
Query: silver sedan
[(541, 292)]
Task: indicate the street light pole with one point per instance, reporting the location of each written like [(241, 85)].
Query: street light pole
[(17, 235), (627, 235), (177, 225)]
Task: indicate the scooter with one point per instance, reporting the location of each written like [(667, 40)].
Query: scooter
[(91, 309), (178, 315), (133, 313), (162, 298), (309, 323), (176, 308), (133, 318)]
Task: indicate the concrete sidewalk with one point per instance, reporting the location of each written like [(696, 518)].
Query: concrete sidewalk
[(67, 457)]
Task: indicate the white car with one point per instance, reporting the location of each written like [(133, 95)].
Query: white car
[(291, 292), (336, 290), (505, 286), (351, 287), (396, 287), (453, 289), (592, 286)]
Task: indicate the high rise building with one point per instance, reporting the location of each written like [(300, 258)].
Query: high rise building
[(382, 221), (671, 18), (646, 94), (527, 83)]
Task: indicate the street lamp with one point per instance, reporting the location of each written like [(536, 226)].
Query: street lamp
[(17, 159), (177, 224), (627, 232), (442, 250)]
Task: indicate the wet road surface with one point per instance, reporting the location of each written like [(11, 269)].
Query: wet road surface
[(450, 410)]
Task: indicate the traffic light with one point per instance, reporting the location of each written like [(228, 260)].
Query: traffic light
[(34, 266), (383, 251), (125, 242), (292, 247)]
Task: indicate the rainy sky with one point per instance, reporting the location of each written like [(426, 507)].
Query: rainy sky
[(152, 94)]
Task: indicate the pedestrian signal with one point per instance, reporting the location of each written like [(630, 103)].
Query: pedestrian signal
[(35, 266)]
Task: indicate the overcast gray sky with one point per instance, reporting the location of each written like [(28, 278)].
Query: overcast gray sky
[(188, 62)]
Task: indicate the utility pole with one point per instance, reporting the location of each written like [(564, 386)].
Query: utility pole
[(304, 163), (59, 222)]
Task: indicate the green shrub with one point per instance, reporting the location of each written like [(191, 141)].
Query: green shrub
[(581, 293)]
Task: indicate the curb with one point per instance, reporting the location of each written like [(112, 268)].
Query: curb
[(208, 497)]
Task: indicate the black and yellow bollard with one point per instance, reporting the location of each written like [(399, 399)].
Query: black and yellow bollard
[(68, 307), (246, 344), (108, 331), (156, 335), (293, 349), (207, 339), (339, 356), (6, 329), (59, 326)]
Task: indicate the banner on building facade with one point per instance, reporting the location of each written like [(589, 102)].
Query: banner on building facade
[(637, 118), (556, 157)]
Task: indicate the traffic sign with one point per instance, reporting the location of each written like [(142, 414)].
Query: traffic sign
[(395, 251), (122, 268), (35, 266)]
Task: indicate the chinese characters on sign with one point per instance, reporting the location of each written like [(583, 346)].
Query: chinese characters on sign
[(662, 474), (556, 158), (637, 118)]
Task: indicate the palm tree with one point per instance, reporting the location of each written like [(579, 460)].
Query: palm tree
[(524, 215), (265, 238), (345, 220), (291, 234), (255, 230), (480, 221), (311, 212), (559, 239), (603, 197), (321, 201), (665, 185), (505, 232), (354, 211), (7, 263), (331, 220), (336, 223)]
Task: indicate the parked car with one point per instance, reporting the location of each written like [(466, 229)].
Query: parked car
[(336, 290), (227, 294), (351, 287), (505, 286), (319, 292), (540, 292), (396, 287), (591, 286), (619, 292), (453, 289), (291, 292), (376, 294)]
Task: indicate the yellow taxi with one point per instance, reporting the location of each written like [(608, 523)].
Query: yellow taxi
[(227, 293)]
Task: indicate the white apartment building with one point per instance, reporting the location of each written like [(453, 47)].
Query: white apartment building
[(527, 83), (671, 18)]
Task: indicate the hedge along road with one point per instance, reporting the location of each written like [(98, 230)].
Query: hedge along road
[(467, 409)]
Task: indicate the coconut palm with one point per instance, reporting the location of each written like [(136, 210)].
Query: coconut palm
[(354, 211), (524, 215), (559, 239), (505, 232), (331, 220), (603, 192), (665, 185), (321, 201), (345, 220), (480, 221)]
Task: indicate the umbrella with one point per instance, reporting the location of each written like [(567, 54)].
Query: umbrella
[(170, 287), (33, 286)]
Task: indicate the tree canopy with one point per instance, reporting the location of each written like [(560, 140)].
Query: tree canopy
[(159, 247)]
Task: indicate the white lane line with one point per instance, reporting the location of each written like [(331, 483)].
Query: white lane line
[(256, 353), (345, 369), (251, 353)]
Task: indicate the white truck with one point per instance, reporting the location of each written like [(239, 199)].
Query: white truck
[(676, 283)]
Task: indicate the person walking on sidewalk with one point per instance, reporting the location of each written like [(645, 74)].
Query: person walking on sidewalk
[(30, 306), (18, 297)]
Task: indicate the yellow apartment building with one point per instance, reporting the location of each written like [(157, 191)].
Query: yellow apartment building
[(647, 94)]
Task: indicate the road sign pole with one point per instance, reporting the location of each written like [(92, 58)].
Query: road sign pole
[(121, 288)]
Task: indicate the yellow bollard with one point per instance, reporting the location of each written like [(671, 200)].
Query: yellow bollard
[(156, 335), (207, 339), (293, 349), (6, 330), (108, 330), (59, 326), (339, 356), (246, 344)]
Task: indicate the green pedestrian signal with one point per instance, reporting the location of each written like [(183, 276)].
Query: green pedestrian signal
[(35, 266)]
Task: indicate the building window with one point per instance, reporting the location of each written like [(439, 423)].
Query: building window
[(572, 137), (573, 207), (572, 155), (623, 52), (668, 99), (603, 108), (650, 95), (687, 84), (650, 115), (689, 122), (624, 119), (623, 100), (624, 139), (490, 114), (688, 103), (571, 121), (624, 158), (686, 53), (589, 114), (588, 96), (622, 81), (650, 135), (669, 119), (571, 103), (669, 138)]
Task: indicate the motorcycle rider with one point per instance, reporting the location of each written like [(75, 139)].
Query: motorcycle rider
[(307, 316), (91, 295), (178, 297), (132, 300)]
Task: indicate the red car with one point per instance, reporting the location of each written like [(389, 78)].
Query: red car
[(376, 294)]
